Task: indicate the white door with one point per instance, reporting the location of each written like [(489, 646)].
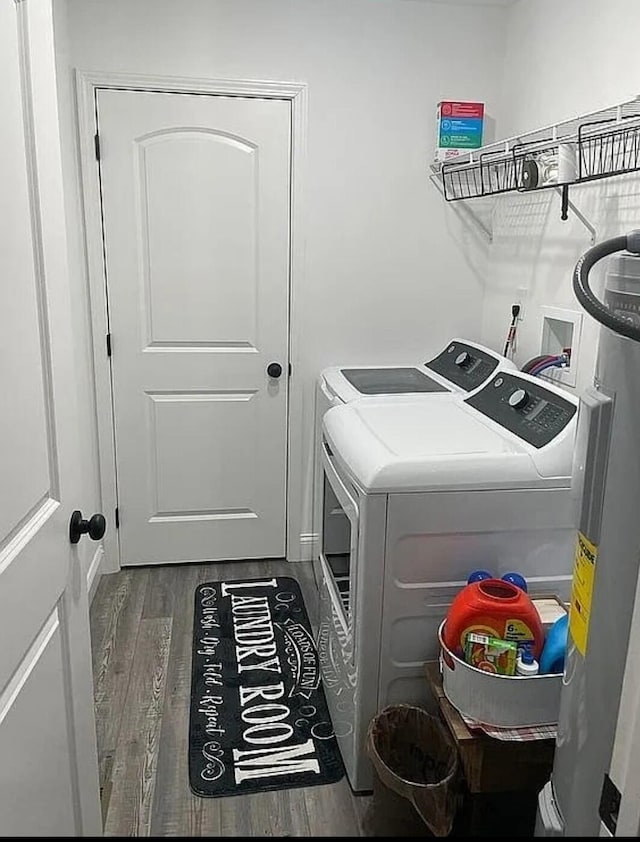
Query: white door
[(195, 206), (48, 764)]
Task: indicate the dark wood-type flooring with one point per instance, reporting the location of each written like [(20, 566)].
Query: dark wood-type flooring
[(141, 624)]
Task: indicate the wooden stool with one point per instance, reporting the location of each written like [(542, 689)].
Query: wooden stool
[(503, 778)]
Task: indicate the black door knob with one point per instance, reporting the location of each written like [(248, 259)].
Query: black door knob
[(95, 526), (274, 370)]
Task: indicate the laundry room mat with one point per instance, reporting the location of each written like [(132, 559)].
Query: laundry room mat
[(259, 718)]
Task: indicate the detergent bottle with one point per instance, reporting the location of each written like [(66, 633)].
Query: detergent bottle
[(526, 664), (497, 608)]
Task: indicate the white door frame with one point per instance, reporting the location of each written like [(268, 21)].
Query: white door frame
[(298, 546)]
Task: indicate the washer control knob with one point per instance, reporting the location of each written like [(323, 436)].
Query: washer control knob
[(518, 399), (462, 359)]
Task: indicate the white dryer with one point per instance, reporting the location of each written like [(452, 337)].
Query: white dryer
[(459, 369), (416, 495)]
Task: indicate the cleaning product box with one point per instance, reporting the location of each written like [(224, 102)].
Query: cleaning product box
[(491, 654), (550, 608), (459, 128)]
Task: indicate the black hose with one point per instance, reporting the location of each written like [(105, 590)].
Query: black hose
[(585, 294)]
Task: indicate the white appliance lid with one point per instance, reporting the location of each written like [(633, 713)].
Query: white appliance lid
[(418, 445), (338, 386), (390, 380), (426, 430)]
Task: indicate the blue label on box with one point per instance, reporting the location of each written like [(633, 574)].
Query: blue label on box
[(461, 132)]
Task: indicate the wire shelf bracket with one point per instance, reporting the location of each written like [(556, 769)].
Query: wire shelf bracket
[(567, 205)]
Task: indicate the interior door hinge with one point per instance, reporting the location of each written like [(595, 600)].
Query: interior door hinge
[(96, 143), (108, 344), (117, 517), (290, 369)]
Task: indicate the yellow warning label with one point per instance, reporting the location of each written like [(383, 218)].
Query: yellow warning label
[(584, 568)]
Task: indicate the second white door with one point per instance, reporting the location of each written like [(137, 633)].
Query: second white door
[(195, 205)]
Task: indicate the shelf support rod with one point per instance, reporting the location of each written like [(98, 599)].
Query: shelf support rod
[(567, 203), (564, 213), (462, 204)]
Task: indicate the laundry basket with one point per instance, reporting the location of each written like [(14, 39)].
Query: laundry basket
[(416, 774)]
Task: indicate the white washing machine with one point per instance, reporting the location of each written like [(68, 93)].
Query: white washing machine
[(458, 370), (416, 495)]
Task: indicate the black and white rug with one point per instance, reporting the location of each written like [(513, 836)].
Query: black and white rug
[(259, 718)]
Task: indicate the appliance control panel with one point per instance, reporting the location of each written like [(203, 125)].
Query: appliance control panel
[(464, 365), (527, 409)]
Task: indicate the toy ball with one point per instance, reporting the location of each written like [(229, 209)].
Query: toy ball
[(516, 579), (478, 576)]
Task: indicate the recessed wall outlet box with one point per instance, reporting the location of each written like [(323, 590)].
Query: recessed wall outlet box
[(561, 331)]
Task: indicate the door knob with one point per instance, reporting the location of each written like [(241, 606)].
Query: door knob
[(274, 370), (95, 526)]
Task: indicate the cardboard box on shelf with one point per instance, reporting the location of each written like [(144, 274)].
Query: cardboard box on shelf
[(459, 128), (550, 608)]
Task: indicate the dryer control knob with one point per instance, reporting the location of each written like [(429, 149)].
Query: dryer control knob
[(462, 359), (518, 399)]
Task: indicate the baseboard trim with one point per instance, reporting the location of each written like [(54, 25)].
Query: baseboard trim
[(94, 572), (305, 548)]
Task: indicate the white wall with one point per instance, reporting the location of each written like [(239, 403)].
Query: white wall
[(390, 271), (563, 59)]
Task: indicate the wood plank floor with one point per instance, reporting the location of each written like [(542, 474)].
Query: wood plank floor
[(141, 627)]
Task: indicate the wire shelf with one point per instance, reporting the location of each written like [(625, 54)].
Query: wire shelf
[(461, 180), (497, 172), (608, 148), (584, 148), (536, 164)]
